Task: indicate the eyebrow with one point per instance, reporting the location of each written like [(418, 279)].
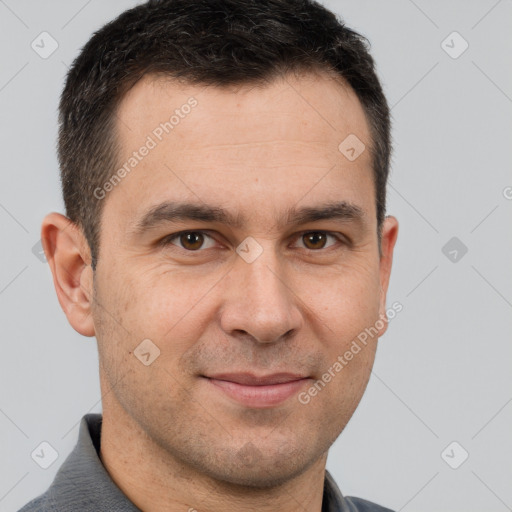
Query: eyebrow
[(172, 211)]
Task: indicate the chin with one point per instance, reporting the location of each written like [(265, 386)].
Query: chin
[(263, 477), (254, 467)]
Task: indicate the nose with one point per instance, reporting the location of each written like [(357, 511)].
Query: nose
[(259, 301)]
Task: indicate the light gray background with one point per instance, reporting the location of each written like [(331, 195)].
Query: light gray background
[(443, 368)]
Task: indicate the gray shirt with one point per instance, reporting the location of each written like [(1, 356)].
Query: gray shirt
[(83, 484)]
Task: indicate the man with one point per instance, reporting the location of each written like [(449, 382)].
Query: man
[(224, 167)]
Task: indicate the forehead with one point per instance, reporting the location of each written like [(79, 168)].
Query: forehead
[(269, 146), (325, 104)]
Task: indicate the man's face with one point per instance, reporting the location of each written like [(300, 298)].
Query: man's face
[(278, 312)]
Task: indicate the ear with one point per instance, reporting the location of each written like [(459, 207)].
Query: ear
[(388, 240), (69, 257)]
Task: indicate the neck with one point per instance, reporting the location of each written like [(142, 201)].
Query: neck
[(155, 481)]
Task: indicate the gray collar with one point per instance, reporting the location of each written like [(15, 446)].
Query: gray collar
[(83, 484)]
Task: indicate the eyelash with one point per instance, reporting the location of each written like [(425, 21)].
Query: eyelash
[(168, 239)]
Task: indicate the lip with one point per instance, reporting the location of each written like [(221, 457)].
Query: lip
[(258, 391)]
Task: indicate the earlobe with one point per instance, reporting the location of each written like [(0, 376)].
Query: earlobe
[(68, 255), (389, 237)]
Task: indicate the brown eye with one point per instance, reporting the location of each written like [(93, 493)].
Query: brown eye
[(192, 240), (319, 240), (314, 240)]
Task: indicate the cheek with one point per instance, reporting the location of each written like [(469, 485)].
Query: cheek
[(162, 304), (346, 299), (132, 307), (345, 308)]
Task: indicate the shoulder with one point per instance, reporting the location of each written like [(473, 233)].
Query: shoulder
[(69, 485), (39, 504), (360, 505)]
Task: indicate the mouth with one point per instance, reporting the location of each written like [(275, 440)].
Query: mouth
[(255, 391)]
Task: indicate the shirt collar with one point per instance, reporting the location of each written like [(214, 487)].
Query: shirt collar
[(93, 489)]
